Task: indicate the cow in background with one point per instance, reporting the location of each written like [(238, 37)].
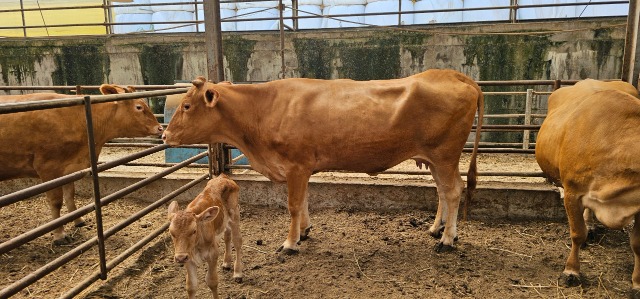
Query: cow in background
[(588, 144), (48, 144), (292, 128), (196, 230)]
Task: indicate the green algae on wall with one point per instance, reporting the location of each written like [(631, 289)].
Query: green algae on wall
[(507, 58), (161, 64), (80, 65), (376, 58), (238, 50), (18, 61), (314, 58), (601, 45)]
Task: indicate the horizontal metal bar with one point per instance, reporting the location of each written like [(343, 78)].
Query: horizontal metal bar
[(17, 196), (87, 87), (76, 101)]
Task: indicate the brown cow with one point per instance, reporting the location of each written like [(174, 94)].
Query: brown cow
[(587, 143), (195, 232), (292, 128), (51, 143)]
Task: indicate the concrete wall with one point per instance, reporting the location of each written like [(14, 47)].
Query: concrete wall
[(360, 54)]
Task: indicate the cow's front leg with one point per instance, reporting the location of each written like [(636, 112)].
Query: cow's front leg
[(54, 198), (69, 201), (305, 222), (297, 184), (212, 275), (635, 246), (192, 279), (450, 186)]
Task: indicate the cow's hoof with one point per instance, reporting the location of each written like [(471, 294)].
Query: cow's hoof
[(66, 240), (81, 224), (441, 247), (226, 268), (237, 279), (305, 235), (570, 280), (287, 251)]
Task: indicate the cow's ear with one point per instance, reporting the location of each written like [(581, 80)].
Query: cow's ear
[(108, 89), (211, 97), (208, 214), (130, 89), (173, 209)]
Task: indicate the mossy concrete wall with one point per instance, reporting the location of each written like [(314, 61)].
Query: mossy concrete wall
[(518, 52)]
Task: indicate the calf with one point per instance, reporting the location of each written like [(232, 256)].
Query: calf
[(195, 232)]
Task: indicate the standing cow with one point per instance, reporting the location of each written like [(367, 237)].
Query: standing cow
[(290, 129), (48, 144), (588, 143), (196, 230)]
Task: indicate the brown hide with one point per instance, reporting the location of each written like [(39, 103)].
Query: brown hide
[(51, 143), (588, 144), (292, 128), (196, 230)]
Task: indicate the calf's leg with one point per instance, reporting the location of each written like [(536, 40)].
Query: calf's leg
[(212, 275), (192, 280), (578, 230)]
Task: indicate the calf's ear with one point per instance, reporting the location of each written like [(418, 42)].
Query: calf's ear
[(208, 214), (173, 209), (109, 89), (211, 97)]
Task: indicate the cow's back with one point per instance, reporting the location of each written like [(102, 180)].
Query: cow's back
[(34, 132)]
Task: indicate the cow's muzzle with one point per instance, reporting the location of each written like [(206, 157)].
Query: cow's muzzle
[(181, 258)]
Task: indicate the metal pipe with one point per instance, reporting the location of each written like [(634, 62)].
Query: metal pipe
[(96, 187), (24, 23)]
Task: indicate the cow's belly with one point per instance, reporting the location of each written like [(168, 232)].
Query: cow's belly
[(16, 166)]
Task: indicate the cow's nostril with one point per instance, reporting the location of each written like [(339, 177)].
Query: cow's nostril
[(164, 136), (160, 129), (182, 258)]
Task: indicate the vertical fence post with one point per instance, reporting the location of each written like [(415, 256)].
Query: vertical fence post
[(284, 69), (527, 118), (96, 188), (294, 14), (24, 23), (107, 16), (513, 11), (399, 12)]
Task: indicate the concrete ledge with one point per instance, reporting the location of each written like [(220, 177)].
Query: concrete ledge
[(492, 200)]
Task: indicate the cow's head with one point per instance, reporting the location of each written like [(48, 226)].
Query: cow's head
[(184, 230), (134, 116), (196, 117)]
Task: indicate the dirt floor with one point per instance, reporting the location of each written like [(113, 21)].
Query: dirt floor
[(351, 254)]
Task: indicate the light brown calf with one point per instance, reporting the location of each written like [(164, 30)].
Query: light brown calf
[(48, 144), (196, 230), (588, 143)]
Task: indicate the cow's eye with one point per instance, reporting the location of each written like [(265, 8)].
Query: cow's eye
[(186, 106), (139, 107), (193, 232)]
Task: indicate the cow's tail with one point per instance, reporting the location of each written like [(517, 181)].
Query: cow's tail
[(473, 169)]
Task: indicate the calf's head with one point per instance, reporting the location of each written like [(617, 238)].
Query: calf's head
[(196, 118), (184, 230), (134, 116)]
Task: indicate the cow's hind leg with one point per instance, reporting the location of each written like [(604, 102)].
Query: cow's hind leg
[(578, 230), (297, 184), (305, 221), (69, 201), (54, 198), (450, 186), (635, 246)]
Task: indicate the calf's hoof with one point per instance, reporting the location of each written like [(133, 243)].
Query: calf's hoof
[(305, 235), (441, 247), (81, 224), (226, 267), (570, 280), (438, 233), (238, 279), (65, 240), (288, 251)]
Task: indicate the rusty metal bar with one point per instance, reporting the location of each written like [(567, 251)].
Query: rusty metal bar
[(96, 186), (24, 22), (87, 87), (49, 226), (76, 101), (282, 64)]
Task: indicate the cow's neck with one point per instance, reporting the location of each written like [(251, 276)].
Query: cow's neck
[(103, 127)]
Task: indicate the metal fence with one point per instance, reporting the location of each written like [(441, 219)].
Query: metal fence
[(288, 11)]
